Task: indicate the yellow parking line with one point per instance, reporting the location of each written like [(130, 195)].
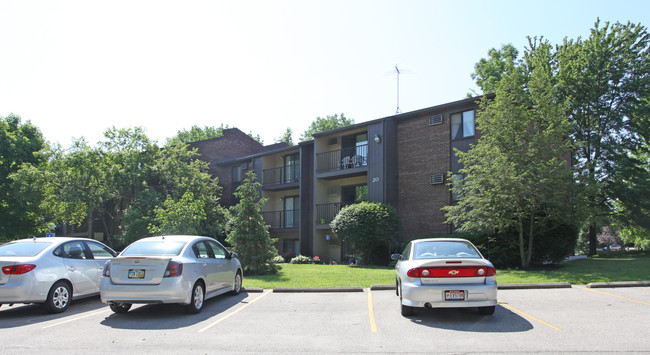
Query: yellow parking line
[(232, 313), (371, 314), (528, 316), (611, 294), (74, 319)]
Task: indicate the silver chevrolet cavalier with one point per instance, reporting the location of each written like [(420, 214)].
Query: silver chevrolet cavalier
[(51, 271), (170, 269), (444, 273)]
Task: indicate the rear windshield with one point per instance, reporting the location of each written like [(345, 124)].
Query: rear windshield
[(23, 249), (156, 247), (444, 250)]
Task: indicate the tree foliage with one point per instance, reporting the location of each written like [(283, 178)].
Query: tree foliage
[(248, 233), (325, 124), (286, 137), (196, 134), (366, 226), (184, 216), (489, 72), (21, 147), (517, 176)]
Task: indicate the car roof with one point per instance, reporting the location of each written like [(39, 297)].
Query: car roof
[(180, 238), (50, 239), (440, 240)]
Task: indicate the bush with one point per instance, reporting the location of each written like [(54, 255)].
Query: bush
[(301, 259), (278, 259)]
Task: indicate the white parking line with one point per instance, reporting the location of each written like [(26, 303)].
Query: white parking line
[(233, 313), (74, 319)]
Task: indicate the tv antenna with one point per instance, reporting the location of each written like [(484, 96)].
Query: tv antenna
[(398, 111)]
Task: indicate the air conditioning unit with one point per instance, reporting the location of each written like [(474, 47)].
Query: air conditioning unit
[(437, 179), (332, 191), (435, 120)]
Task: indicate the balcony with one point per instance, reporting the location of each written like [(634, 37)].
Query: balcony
[(325, 213), (346, 161), (282, 219), (282, 178)]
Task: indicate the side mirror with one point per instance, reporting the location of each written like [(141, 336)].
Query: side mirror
[(396, 257), (233, 255)]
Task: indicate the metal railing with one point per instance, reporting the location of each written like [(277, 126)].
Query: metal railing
[(346, 158), (281, 175), (325, 213), (282, 219)]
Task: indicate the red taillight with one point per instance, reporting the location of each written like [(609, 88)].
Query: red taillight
[(18, 269), (413, 273), (451, 271), (107, 270), (174, 269)]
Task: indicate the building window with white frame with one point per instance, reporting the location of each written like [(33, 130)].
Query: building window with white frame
[(462, 125)]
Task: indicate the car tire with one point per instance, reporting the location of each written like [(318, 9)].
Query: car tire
[(120, 307), (236, 285), (407, 311), (197, 299), (59, 297), (486, 310), (396, 287)]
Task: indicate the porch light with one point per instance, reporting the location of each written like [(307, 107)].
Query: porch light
[(377, 138)]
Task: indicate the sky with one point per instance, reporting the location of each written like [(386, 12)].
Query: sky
[(75, 68)]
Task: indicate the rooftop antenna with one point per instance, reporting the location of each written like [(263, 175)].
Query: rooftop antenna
[(398, 111)]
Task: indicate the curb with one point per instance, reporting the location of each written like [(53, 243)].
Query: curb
[(533, 286), (619, 284), (252, 290), (316, 289)]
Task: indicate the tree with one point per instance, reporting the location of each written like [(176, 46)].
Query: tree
[(606, 79), (179, 217), (489, 72), (366, 226), (286, 137), (517, 176), (21, 146), (248, 233), (196, 134), (325, 124)]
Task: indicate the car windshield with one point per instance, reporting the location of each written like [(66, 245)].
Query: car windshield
[(444, 250), (156, 247), (23, 249)]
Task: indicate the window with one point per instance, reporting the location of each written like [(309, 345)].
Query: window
[(291, 207), (462, 125), (236, 173), (99, 251), (353, 194), (219, 251), (201, 250), (291, 168)]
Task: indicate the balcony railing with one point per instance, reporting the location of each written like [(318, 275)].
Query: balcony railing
[(282, 219), (325, 213), (282, 175), (346, 158)]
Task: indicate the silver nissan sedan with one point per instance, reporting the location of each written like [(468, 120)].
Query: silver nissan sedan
[(170, 269), (444, 273), (51, 271)]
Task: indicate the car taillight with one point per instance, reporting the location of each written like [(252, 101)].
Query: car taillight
[(413, 273), (174, 268), (450, 271), (18, 269), (107, 270)]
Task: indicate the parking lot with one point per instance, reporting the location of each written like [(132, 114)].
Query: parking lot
[(568, 320)]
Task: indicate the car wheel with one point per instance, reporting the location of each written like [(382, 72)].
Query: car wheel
[(396, 287), (407, 311), (59, 297), (236, 286), (196, 302), (486, 310), (120, 307)]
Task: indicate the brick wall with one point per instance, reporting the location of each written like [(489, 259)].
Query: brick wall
[(422, 150)]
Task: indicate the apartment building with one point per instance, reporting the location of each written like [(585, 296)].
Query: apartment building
[(401, 160)]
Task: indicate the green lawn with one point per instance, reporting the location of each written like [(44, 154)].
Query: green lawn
[(619, 267)]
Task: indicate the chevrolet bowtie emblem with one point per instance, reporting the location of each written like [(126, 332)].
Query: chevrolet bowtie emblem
[(454, 272)]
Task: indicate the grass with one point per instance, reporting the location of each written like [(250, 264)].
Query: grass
[(618, 267)]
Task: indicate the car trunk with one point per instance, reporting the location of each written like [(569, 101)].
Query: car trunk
[(438, 272), (138, 270)]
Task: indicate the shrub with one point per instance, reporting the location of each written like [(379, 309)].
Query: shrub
[(301, 259), (278, 259)]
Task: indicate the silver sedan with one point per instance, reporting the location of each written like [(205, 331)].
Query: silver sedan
[(444, 273), (51, 271), (170, 269)]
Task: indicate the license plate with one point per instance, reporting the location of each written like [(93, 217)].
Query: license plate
[(136, 274), (455, 295)]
